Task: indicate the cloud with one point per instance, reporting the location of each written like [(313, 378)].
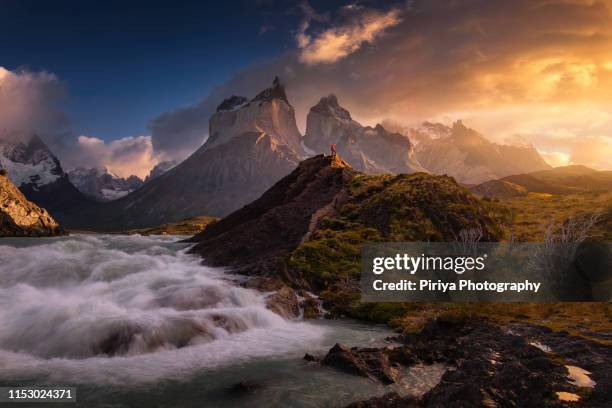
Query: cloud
[(126, 156), (595, 152), (31, 102), (555, 159), (338, 42), (532, 68)]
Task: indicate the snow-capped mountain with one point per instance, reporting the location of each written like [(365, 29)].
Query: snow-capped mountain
[(29, 162), (35, 170), (101, 184)]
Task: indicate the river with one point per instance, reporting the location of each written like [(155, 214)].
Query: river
[(135, 321)]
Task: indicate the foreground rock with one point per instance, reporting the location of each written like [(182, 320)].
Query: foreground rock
[(365, 362), (20, 217), (488, 367)]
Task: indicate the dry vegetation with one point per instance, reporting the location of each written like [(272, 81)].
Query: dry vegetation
[(189, 226)]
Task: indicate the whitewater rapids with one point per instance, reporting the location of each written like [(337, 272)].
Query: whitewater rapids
[(112, 309)]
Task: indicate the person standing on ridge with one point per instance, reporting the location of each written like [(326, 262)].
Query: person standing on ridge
[(333, 149)]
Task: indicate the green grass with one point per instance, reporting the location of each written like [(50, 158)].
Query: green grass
[(535, 211), (189, 226), (387, 208), (421, 207)]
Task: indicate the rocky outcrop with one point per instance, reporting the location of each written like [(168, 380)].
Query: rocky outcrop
[(252, 239), (371, 150), (101, 184), (251, 146), (36, 171), (20, 217), (366, 362), (469, 157), (488, 367)]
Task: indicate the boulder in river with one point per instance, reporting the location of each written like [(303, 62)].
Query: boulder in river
[(365, 362)]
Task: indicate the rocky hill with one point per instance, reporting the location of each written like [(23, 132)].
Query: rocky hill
[(498, 189), (251, 145), (371, 150), (39, 175), (469, 157), (306, 229), (20, 217), (101, 184)]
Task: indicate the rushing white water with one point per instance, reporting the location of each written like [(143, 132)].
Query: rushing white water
[(116, 309)]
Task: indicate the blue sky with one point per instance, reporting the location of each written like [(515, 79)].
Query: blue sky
[(124, 62)]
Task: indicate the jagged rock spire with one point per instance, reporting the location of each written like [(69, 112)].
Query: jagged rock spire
[(277, 91)]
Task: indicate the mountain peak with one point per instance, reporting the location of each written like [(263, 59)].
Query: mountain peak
[(276, 91), (231, 103), (368, 149)]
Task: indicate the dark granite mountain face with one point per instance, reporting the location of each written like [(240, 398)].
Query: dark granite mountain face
[(250, 147), (371, 150), (159, 169)]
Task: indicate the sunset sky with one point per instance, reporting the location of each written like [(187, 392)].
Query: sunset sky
[(128, 86)]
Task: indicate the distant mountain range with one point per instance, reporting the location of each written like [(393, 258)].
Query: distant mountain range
[(103, 185), (469, 157), (252, 144), (560, 180)]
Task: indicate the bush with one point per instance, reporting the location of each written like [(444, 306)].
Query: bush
[(3, 172)]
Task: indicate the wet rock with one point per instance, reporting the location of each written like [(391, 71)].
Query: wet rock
[(284, 302), (587, 354), (365, 362), (311, 358), (246, 387), (390, 400), (311, 307), (490, 367)]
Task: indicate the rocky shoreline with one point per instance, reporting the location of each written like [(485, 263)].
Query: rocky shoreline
[(488, 366)]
